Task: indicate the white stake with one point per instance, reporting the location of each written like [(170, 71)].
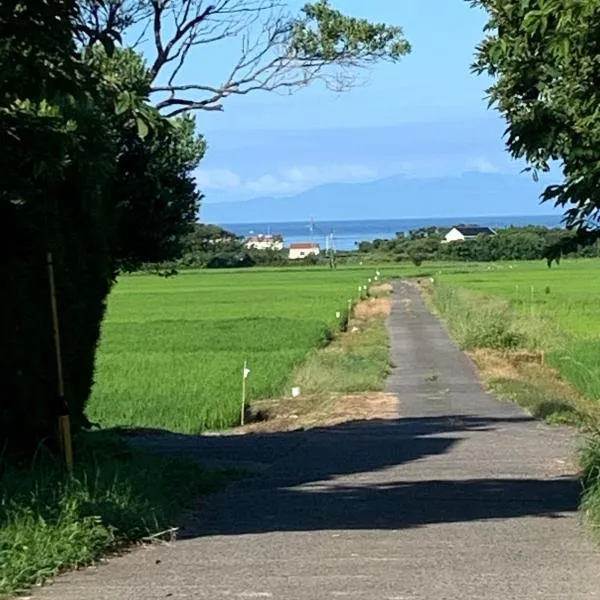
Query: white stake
[(245, 374)]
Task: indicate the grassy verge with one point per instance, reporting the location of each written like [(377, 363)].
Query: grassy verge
[(514, 353), (356, 361), (521, 358), (342, 381), (50, 522)]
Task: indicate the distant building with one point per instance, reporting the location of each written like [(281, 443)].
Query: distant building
[(264, 242), (460, 233), (303, 249)]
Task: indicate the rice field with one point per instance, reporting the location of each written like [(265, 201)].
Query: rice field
[(173, 349), (563, 301)]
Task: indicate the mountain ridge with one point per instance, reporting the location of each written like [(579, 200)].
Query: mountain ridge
[(398, 196)]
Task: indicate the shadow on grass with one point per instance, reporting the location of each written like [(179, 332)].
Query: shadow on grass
[(535, 398), (50, 521)]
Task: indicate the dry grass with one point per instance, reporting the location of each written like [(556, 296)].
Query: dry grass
[(523, 377), (381, 289), (374, 308)]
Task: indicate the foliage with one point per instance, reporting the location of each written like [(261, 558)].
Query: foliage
[(280, 51), (511, 243), (49, 521), (543, 56), (55, 170), (90, 173)]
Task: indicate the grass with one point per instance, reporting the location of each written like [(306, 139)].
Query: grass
[(358, 361), (535, 334), (50, 522), (555, 309), (171, 357), (172, 350)]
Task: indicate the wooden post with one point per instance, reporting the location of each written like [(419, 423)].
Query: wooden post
[(64, 420), (245, 374)]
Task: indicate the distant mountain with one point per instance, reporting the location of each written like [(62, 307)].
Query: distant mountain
[(483, 194)]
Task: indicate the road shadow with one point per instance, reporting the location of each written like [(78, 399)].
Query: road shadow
[(341, 478)]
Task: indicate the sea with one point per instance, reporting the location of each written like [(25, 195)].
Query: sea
[(346, 235)]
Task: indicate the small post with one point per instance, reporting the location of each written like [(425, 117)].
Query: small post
[(532, 299), (245, 374), (64, 420)]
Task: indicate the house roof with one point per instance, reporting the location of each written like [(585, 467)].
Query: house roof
[(303, 246), (474, 230)]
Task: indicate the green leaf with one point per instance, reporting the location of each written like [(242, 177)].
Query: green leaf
[(123, 103), (142, 128)]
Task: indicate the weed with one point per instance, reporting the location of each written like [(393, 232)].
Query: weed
[(50, 521)]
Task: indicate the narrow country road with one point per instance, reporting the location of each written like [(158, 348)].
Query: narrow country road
[(460, 497)]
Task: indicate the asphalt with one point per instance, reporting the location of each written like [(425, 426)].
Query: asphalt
[(461, 497)]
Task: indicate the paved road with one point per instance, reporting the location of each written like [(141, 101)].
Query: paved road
[(463, 497)]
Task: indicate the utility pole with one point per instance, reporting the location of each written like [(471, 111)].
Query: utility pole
[(331, 250)]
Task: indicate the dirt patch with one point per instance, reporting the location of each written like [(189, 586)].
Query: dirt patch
[(309, 412), (381, 289), (373, 308)]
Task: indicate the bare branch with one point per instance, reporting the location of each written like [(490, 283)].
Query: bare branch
[(279, 52)]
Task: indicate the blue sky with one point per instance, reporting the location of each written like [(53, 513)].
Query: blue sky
[(424, 117)]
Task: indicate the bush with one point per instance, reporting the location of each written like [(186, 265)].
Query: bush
[(230, 261)]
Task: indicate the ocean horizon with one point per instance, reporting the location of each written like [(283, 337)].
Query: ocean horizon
[(348, 234)]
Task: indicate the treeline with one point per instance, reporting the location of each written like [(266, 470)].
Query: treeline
[(208, 246), (511, 243)]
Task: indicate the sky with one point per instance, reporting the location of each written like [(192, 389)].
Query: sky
[(425, 116)]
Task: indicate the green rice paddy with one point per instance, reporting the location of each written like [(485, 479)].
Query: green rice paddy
[(173, 349), (562, 302)]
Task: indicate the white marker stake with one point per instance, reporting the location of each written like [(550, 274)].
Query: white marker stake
[(245, 374), (338, 314)]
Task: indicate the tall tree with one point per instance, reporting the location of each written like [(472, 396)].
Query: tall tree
[(544, 56), (278, 51)]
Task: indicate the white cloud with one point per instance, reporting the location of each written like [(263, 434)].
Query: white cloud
[(289, 180), (224, 184), (217, 179), (482, 165)]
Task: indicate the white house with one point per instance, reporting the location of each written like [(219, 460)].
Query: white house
[(264, 242), (460, 233), (303, 249)]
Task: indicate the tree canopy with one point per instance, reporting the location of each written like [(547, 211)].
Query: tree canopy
[(278, 51), (544, 56), (99, 150)]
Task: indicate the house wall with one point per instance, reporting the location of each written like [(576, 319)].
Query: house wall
[(265, 245), (454, 236), (296, 253)]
